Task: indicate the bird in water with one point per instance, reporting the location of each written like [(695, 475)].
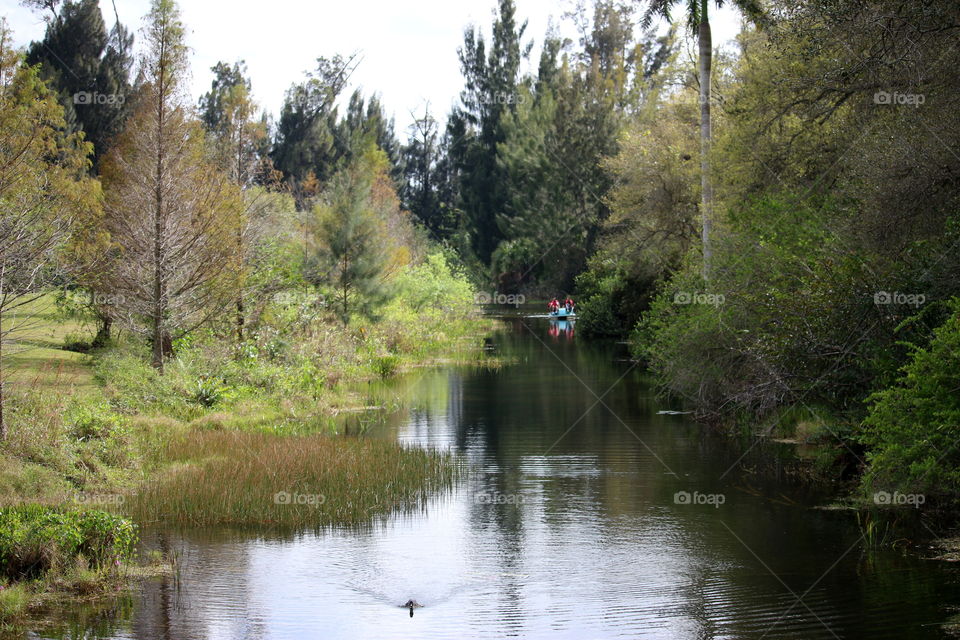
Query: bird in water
[(412, 604)]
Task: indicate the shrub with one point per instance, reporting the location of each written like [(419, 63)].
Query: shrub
[(913, 427), (86, 421), (36, 539), (611, 298), (208, 391), (788, 316), (386, 366)]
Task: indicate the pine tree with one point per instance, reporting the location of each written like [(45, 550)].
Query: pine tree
[(360, 236), (305, 141), (475, 127), (89, 68)]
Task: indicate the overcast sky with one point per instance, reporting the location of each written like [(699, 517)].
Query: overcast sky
[(408, 49)]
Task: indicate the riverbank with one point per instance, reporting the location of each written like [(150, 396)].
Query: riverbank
[(241, 433), (84, 427)]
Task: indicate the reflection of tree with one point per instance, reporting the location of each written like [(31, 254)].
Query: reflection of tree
[(595, 541), (211, 567)]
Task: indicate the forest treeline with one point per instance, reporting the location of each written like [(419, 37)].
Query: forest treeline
[(773, 222)]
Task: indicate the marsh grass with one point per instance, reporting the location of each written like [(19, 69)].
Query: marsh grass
[(14, 600), (255, 478)]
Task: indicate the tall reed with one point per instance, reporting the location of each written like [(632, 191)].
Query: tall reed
[(255, 478)]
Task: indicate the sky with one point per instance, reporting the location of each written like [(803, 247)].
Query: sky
[(408, 50)]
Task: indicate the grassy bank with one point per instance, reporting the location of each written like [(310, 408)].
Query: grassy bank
[(96, 423), (239, 433), (112, 426)]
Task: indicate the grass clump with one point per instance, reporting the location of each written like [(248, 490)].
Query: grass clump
[(14, 600), (251, 478)]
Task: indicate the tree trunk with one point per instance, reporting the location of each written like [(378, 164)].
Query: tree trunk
[(166, 346), (3, 422), (240, 252), (240, 319), (706, 186), (159, 331), (103, 331)]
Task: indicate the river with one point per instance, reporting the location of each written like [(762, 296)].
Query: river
[(588, 514)]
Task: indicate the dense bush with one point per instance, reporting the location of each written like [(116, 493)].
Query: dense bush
[(788, 317), (914, 426), (35, 539), (611, 297)]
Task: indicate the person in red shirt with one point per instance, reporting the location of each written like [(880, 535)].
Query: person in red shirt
[(553, 305), (568, 303)]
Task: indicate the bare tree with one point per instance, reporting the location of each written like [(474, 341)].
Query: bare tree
[(170, 212)]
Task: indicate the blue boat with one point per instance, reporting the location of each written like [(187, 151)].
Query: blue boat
[(563, 313)]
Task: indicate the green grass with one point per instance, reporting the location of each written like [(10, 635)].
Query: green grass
[(14, 600), (250, 478), (39, 360), (108, 423)]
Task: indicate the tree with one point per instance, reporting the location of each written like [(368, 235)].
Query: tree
[(238, 137), (361, 236), (475, 127), (698, 19), (89, 68), (426, 188), (169, 211), (363, 124), (44, 191), (565, 124), (305, 138)]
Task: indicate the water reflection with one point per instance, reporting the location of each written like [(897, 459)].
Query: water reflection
[(570, 527)]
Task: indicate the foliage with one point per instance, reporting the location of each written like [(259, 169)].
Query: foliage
[(912, 427), (35, 539), (750, 329), (304, 148), (433, 285), (361, 237), (612, 295), (835, 242), (45, 192), (88, 68)]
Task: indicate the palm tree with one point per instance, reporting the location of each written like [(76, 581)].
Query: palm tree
[(698, 20)]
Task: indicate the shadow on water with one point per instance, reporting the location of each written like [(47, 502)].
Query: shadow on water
[(587, 514)]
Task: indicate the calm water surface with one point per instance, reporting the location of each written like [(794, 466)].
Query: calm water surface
[(577, 523)]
